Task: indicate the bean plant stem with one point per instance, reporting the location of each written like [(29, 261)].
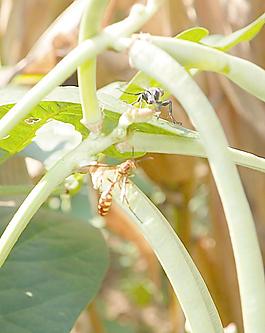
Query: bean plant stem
[(162, 67), (192, 55), (185, 278), (81, 155), (84, 152), (89, 27), (167, 144), (162, 144), (84, 51)]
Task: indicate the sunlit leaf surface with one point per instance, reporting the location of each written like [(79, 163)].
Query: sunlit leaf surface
[(63, 105), (193, 34)]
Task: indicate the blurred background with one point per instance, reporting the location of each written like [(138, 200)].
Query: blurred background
[(136, 296)]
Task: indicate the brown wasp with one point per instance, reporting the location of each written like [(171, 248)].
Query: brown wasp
[(121, 178)]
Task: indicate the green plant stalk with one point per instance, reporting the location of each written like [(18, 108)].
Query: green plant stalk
[(162, 144), (84, 51), (89, 27), (192, 293), (63, 168), (55, 77), (245, 74), (80, 156), (166, 144), (162, 67)]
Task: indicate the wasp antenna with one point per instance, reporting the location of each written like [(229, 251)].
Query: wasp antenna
[(128, 93)]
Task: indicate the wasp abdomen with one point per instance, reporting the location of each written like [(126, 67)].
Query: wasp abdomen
[(104, 203)]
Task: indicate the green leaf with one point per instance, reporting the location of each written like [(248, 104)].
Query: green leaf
[(193, 34), (55, 269), (24, 132), (245, 34), (63, 105)]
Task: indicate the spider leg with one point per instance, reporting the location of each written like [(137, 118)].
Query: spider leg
[(139, 100), (170, 111), (158, 110)]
